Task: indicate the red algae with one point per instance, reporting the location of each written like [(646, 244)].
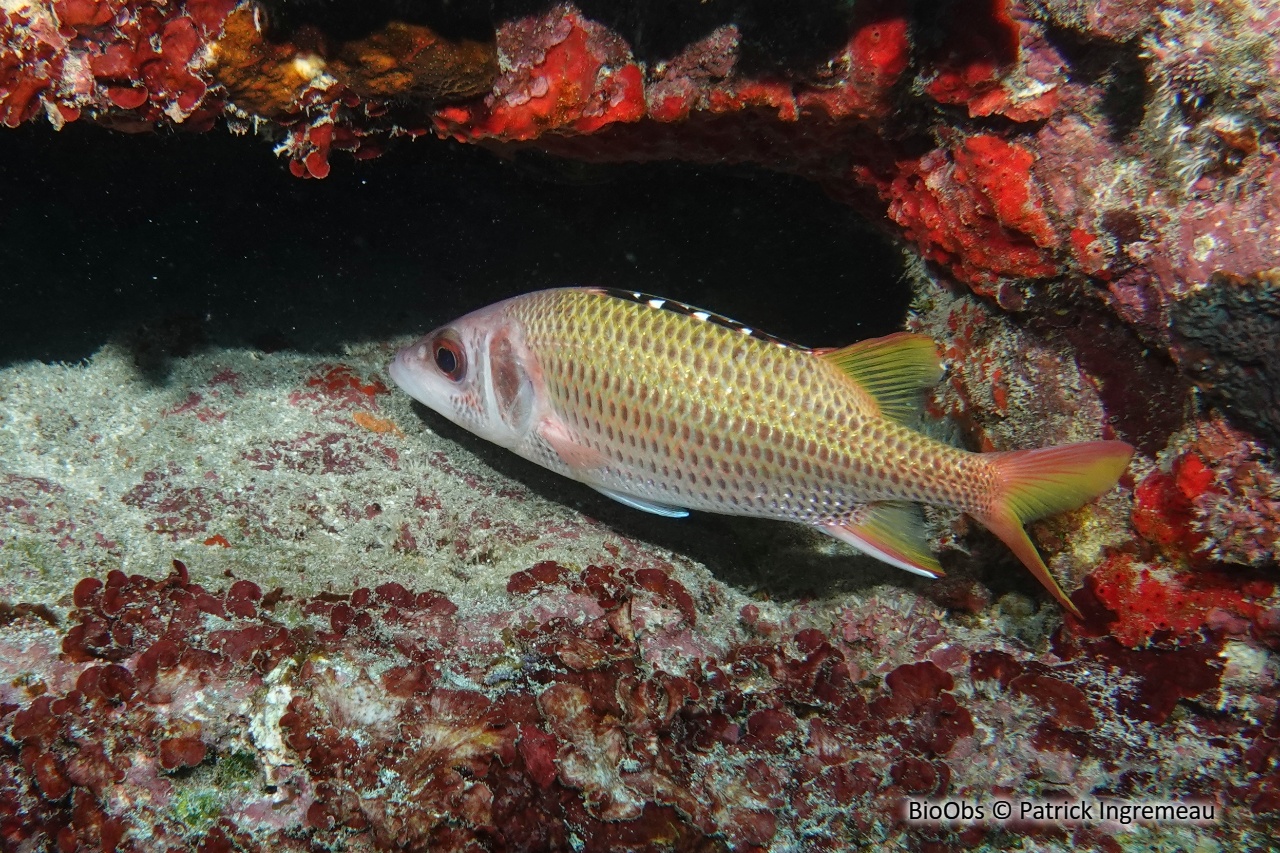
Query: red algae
[(176, 753), (350, 718), (978, 211), (1092, 190), (1147, 600)]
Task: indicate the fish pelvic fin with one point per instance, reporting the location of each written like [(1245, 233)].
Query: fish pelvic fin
[(890, 531), (896, 370), (665, 510), (1035, 483)]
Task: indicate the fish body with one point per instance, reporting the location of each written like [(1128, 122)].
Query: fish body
[(668, 408)]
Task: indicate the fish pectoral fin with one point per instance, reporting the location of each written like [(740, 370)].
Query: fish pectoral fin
[(890, 531), (639, 503), (895, 370), (562, 442), (582, 458)]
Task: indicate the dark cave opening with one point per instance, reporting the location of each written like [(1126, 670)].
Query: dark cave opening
[(180, 240)]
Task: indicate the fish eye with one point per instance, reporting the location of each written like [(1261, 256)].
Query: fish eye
[(448, 356)]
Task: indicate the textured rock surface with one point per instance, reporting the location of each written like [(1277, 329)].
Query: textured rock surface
[(369, 614), (377, 639)]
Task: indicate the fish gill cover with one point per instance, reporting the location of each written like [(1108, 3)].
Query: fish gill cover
[(380, 635)]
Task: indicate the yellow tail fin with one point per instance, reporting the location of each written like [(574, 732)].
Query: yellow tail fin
[(1036, 483)]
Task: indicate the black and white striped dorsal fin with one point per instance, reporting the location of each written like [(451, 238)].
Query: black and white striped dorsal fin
[(672, 305)]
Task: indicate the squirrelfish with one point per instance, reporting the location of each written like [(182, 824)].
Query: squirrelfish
[(668, 408)]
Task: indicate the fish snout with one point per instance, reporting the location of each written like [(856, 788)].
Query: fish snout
[(409, 369)]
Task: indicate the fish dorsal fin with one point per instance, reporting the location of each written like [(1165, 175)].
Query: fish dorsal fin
[(892, 531), (660, 303), (895, 370)]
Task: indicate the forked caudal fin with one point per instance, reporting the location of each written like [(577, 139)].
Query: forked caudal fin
[(1035, 483)]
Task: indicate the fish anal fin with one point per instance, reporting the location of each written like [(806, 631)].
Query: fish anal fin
[(895, 370), (890, 531), (665, 510)]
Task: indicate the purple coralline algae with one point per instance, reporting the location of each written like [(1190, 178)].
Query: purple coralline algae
[(582, 709)]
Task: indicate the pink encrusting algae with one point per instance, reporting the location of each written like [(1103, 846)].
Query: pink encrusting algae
[(590, 710), (667, 408)]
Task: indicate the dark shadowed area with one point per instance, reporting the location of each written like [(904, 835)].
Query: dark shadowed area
[(175, 241)]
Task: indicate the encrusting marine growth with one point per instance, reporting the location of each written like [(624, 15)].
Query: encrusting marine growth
[(1087, 193)]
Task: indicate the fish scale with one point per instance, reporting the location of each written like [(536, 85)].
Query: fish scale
[(668, 408), (735, 424)]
